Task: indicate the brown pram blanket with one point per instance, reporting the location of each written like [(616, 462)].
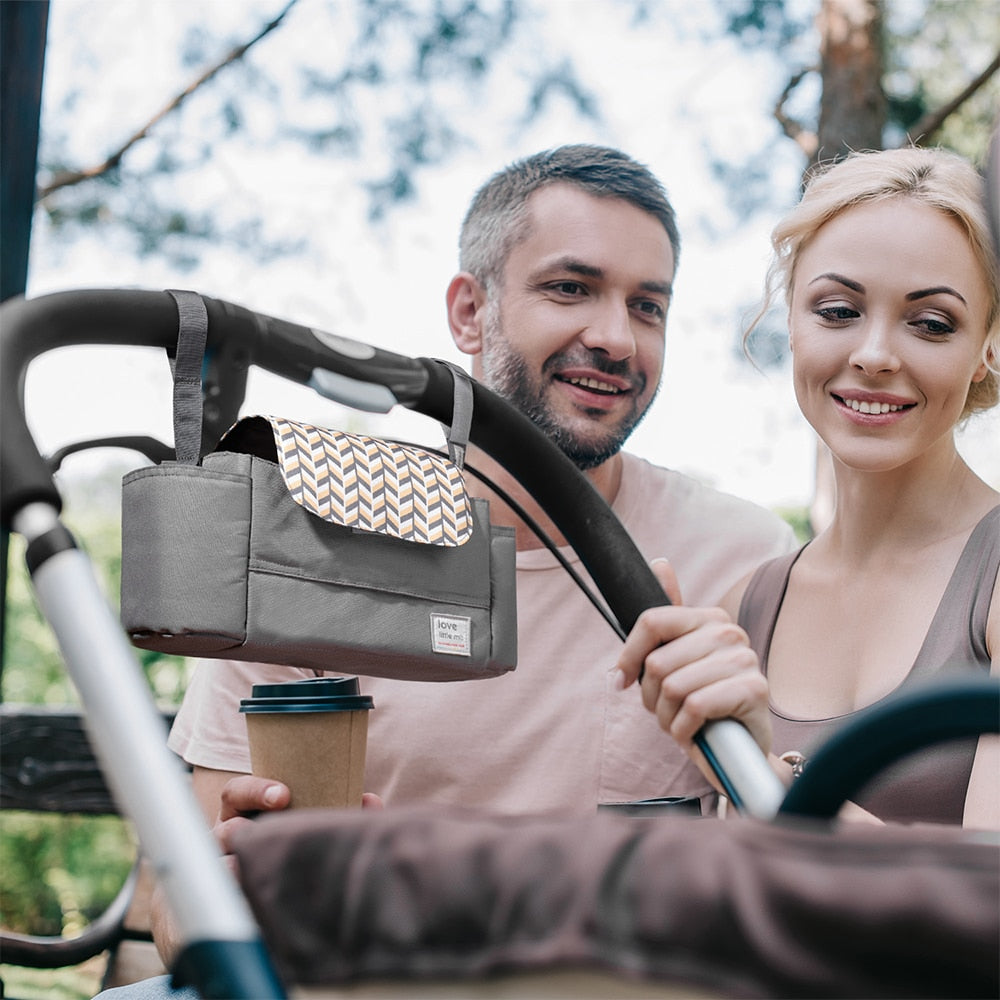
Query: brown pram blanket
[(740, 908)]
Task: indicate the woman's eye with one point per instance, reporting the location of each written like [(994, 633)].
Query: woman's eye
[(934, 326), (836, 314)]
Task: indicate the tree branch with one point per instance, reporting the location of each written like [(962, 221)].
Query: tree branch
[(933, 120), (793, 129), (67, 178)]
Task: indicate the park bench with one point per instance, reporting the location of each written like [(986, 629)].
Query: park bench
[(47, 765)]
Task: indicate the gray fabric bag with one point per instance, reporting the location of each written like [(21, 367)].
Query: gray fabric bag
[(297, 545)]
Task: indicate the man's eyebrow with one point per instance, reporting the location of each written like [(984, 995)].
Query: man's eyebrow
[(923, 293), (575, 266), (572, 264), (658, 287)]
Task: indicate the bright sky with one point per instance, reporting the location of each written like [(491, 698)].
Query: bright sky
[(666, 96)]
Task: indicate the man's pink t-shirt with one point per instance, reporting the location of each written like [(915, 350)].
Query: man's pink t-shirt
[(552, 736)]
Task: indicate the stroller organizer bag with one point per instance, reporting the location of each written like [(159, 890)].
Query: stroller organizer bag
[(316, 548)]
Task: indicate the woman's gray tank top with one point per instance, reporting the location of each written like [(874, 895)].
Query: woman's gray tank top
[(930, 785)]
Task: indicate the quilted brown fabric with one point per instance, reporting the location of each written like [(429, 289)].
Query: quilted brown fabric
[(744, 908)]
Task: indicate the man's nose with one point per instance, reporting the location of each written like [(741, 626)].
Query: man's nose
[(875, 351), (610, 332)]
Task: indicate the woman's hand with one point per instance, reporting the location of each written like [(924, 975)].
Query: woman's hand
[(696, 665)]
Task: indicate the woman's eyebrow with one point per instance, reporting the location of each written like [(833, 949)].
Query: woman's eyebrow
[(855, 286), (922, 293)]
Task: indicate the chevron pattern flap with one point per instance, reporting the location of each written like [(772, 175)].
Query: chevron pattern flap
[(373, 485)]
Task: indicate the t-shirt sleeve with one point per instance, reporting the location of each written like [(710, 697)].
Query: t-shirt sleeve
[(210, 730)]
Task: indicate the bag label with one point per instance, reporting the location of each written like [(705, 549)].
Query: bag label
[(451, 634)]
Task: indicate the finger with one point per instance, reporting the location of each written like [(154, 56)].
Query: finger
[(627, 671), (226, 831), (248, 795), (716, 650), (735, 693), (369, 800), (655, 630), (712, 635)]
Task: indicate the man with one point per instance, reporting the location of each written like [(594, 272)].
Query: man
[(567, 265)]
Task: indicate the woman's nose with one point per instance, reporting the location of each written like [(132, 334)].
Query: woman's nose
[(875, 353)]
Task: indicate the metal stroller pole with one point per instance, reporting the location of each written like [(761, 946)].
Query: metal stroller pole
[(143, 774)]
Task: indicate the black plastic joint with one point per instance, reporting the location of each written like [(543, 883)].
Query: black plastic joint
[(41, 549), (228, 970)]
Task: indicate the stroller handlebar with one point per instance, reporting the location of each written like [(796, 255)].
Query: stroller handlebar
[(31, 327)]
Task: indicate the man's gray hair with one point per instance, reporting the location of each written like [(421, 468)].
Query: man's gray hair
[(497, 219)]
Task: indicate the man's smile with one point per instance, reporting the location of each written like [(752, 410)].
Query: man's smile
[(593, 384)]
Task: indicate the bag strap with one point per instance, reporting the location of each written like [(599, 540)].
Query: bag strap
[(461, 419), (192, 333)]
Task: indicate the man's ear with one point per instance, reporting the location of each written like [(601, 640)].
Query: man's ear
[(466, 302)]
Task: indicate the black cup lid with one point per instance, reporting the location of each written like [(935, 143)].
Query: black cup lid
[(314, 694)]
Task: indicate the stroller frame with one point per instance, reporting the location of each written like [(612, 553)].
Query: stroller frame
[(223, 953)]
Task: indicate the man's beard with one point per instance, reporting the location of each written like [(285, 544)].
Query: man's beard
[(506, 373)]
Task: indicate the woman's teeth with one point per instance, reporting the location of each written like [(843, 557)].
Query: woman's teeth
[(864, 407)]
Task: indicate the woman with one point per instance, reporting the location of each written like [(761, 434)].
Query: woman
[(894, 323)]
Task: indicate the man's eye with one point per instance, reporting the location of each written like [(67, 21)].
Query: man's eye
[(651, 309), (568, 287)]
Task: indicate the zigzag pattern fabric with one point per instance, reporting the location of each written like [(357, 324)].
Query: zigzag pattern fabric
[(373, 485)]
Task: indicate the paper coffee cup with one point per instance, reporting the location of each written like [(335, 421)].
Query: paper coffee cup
[(312, 735)]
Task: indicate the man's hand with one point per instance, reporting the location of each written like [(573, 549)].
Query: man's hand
[(246, 796), (228, 801)]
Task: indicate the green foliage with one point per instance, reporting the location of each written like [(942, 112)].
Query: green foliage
[(931, 56), (798, 518), (766, 23), (58, 872), (78, 983), (33, 667)]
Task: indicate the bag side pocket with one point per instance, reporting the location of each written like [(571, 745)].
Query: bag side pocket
[(185, 551), (503, 604)]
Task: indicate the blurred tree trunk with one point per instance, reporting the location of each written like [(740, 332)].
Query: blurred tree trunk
[(852, 107)]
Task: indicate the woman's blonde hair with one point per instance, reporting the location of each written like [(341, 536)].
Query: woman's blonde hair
[(934, 177)]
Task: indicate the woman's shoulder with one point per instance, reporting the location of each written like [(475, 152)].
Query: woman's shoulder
[(760, 592)]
